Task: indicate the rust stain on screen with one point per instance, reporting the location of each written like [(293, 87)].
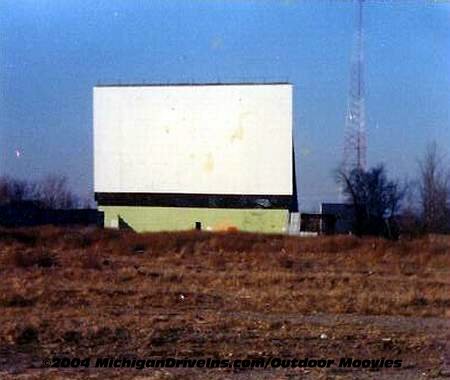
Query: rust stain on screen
[(208, 166)]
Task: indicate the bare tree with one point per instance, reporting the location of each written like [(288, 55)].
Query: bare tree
[(434, 190), (15, 190), (4, 190), (375, 199), (54, 193), (88, 203)]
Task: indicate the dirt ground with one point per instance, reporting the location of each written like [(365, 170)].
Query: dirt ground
[(95, 293)]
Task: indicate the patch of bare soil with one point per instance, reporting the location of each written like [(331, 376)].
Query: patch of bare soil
[(97, 293)]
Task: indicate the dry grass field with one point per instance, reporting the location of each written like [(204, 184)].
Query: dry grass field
[(89, 292)]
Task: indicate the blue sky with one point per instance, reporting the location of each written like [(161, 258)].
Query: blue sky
[(53, 52)]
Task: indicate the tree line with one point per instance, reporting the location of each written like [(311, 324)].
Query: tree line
[(386, 207), (51, 192), (381, 206)]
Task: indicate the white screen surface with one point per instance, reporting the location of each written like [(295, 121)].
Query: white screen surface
[(204, 139)]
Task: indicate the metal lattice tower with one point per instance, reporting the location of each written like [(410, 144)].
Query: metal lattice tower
[(355, 139)]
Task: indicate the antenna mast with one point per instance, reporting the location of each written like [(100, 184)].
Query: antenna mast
[(355, 139)]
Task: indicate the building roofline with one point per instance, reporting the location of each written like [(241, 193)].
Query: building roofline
[(192, 84)]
